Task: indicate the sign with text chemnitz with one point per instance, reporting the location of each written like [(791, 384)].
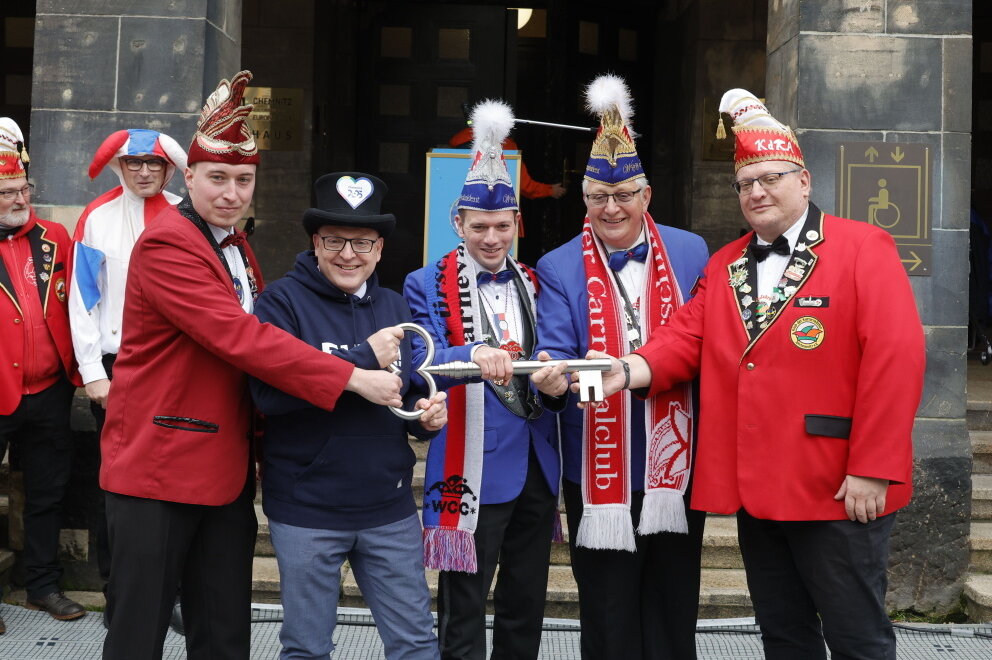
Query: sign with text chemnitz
[(887, 184), (277, 117)]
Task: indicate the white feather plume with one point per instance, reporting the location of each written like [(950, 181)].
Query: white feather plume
[(607, 91), (492, 121)]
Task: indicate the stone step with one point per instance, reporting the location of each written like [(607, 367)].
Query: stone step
[(981, 546), (981, 449), (981, 497), (978, 597), (723, 592)]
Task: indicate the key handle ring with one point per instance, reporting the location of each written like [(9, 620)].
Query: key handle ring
[(428, 361)]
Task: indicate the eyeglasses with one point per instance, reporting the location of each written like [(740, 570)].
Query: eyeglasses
[(359, 245), (770, 180), (11, 195), (623, 197), (135, 164)]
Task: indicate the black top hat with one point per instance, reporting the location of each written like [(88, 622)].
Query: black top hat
[(349, 199)]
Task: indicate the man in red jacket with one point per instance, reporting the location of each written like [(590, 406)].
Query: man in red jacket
[(38, 376), (810, 353), (176, 458)]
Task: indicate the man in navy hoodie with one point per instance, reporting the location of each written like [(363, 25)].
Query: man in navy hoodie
[(337, 484)]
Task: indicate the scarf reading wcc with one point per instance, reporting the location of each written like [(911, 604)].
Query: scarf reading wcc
[(452, 498), (606, 522)]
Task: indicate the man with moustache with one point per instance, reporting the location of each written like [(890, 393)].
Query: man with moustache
[(492, 473), (627, 463), (39, 374), (811, 358), (176, 449)]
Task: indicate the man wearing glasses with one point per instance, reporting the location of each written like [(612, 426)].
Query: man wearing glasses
[(39, 375), (105, 234), (810, 353), (634, 544)]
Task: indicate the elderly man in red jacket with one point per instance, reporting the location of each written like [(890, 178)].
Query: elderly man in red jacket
[(176, 445), (810, 353), (39, 375)]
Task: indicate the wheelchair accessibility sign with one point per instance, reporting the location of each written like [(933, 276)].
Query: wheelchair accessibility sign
[(887, 184)]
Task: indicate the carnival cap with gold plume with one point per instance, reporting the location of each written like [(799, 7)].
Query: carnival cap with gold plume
[(223, 134), (487, 185), (757, 135), (13, 156), (613, 158)]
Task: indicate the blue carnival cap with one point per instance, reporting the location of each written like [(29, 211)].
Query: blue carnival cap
[(613, 158), (487, 185)]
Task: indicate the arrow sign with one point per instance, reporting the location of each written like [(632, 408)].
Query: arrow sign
[(915, 261), (872, 154), (897, 155)]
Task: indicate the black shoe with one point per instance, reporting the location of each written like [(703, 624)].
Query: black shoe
[(176, 620), (57, 605)]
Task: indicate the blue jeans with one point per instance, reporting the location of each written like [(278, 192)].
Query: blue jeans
[(388, 563)]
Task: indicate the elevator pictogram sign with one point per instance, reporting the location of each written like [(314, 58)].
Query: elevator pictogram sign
[(887, 184)]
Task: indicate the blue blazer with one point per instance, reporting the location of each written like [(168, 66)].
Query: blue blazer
[(563, 330), (508, 438)]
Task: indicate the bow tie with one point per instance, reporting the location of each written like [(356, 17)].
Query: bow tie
[(502, 277), (618, 260), (238, 238), (761, 252)]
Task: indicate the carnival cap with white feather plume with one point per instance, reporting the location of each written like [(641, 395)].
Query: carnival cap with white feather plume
[(488, 186), (613, 158), (223, 134), (13, 155), (757, 135)]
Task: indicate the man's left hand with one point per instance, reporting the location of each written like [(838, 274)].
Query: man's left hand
[(864, 497), (435, 412)]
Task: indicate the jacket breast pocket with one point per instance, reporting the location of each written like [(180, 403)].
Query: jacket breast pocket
[(831, 426)]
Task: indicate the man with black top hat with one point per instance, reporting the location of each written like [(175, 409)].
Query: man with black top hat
[(337, 483), (492, 474), (176, 454), (39, 375)]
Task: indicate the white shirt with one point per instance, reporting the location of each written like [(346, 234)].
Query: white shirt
[(501, 299), (631, 276), (770, 270), (237, 265)]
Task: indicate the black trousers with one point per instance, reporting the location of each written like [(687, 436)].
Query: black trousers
[(834, 571), (39, 433), (517, 536), (100, 512), (637, 605), (155, 545)]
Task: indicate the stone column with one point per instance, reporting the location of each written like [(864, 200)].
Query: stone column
[(101, 66), (900, 71), (104, 65)]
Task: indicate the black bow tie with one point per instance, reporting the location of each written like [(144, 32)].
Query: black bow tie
[(761, 252), (502, 277)]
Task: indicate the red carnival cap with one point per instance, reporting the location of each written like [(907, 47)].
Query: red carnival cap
[(223, 134), (758, 136), (13, 155)]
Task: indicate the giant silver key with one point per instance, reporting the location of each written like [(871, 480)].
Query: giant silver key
[(590, 371)]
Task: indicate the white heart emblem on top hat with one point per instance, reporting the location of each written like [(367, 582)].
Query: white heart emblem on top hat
[(354, 192)]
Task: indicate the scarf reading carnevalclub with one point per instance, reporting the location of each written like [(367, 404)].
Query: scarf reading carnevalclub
[(452, 500), (606, 522)]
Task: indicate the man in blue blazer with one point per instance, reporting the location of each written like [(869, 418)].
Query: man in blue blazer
[(635, 545), (492, 474)]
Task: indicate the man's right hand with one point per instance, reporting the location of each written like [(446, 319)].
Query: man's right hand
[(558, 191), (98, 391), (386, 345), (379, 387), (551, 380), (495, 364)]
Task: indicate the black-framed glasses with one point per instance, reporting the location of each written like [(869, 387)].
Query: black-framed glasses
[(135, 164), (770, 180), (359, 245), (622, 197), (10, 195)]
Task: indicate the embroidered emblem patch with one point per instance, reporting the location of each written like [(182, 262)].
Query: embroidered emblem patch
[(60, 289), (355, 192), (807, 333)]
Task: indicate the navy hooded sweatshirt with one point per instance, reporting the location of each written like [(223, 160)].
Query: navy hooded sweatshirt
[(350, 468)]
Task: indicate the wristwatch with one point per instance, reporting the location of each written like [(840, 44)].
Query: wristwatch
[(626, 374)]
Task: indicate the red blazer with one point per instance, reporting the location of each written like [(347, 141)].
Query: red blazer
[(53, 288), (830, 387), (179, 412)]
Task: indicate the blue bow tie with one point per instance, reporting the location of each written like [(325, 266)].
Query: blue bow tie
[(502, 277), (619, 259)]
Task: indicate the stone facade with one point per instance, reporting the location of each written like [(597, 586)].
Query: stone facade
[(900, 71)]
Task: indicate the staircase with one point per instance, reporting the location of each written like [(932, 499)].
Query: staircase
[(723, 593), (978, 585)]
